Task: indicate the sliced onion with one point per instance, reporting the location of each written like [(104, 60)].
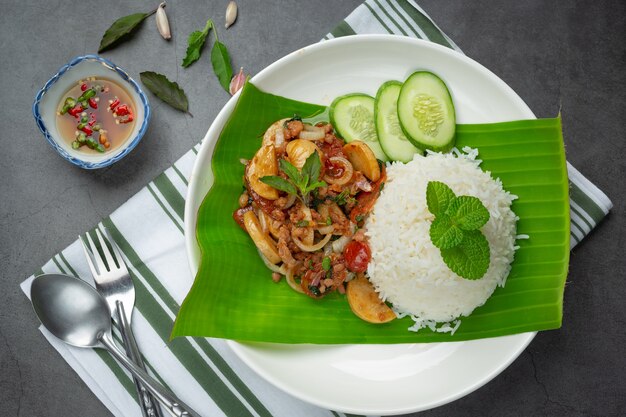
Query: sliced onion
[(290, 200), (326, 229), (347, 171), (292, 282), (311, 128), (275, 268), (364, 185), (328, 249), (310, 234), (262, 220), (280, 138), (307, 135), (340, 243), (312, 248)]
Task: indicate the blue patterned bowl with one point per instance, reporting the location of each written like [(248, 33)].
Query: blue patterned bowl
[(48, 98)]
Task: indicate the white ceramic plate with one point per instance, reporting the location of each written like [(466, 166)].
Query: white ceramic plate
[(372, 379)]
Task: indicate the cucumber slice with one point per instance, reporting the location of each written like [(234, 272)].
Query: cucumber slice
[(426, 112), (352, 116), (390, 135)]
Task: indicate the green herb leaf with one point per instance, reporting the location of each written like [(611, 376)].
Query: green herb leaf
[(280, 184), (221, 64), (444, 234), (195, 42), (291, 171), (340, 198), (329, 221), (165, 89), (438, 197), (295, 117), (120, 29), (326, 263), (469, 259), (315, 185), (312, 167), (468, 212)]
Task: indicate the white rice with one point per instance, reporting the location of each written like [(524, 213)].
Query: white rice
[(407, 269)]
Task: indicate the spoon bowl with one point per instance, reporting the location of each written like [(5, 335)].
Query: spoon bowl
[(76, 313), (70, 309)]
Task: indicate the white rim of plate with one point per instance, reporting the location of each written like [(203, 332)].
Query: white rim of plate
[(206, 151)]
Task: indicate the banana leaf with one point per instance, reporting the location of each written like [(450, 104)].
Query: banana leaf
[(233, 296)]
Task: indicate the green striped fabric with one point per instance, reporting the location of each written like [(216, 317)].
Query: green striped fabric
[(205, 373)]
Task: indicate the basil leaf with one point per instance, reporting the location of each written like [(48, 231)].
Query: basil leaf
[(120, 29), (195, 42), (221, 64), (444, 234), (438, 197), (280, 184), (312, 167), (165, 89), (468, 212), (470, 259), (292, 172), (315, 185)]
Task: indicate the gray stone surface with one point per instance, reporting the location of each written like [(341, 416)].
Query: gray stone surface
[(568, 54)]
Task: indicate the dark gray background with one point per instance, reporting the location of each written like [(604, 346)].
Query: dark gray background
[(550, 53)]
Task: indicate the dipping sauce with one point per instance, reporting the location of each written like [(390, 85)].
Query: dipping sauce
[(96, 116)]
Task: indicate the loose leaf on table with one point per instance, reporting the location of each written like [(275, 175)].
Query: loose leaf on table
[(120, 29), (166, 90), (221, 64), (444, 234), (470, 258), (438, 197), (468, 212), (195, 42)]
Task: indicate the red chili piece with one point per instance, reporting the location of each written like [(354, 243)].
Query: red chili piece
[(128, 118), (122, 110), (83, 87), (76, 110), (91, 123), (93, 103), (115, 103), (357, 255), (88, 131)]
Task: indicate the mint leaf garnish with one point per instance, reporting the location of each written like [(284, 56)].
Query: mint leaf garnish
[(444, 234), (454, 230), (469, 259), (468, 212), (438, 197)]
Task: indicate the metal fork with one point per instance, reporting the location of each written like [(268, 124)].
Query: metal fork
[(116, 286)]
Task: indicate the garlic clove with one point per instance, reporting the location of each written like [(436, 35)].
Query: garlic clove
[(163, 25), (231, 14), (237, 82)]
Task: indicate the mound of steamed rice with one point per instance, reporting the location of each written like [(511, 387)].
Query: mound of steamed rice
[(406, 268)]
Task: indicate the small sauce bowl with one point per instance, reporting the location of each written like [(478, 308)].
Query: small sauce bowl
[(48, 98)]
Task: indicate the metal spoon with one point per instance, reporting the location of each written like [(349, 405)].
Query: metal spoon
[(75, 313)]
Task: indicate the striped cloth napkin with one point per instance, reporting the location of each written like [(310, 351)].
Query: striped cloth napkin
[(204, 372)]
